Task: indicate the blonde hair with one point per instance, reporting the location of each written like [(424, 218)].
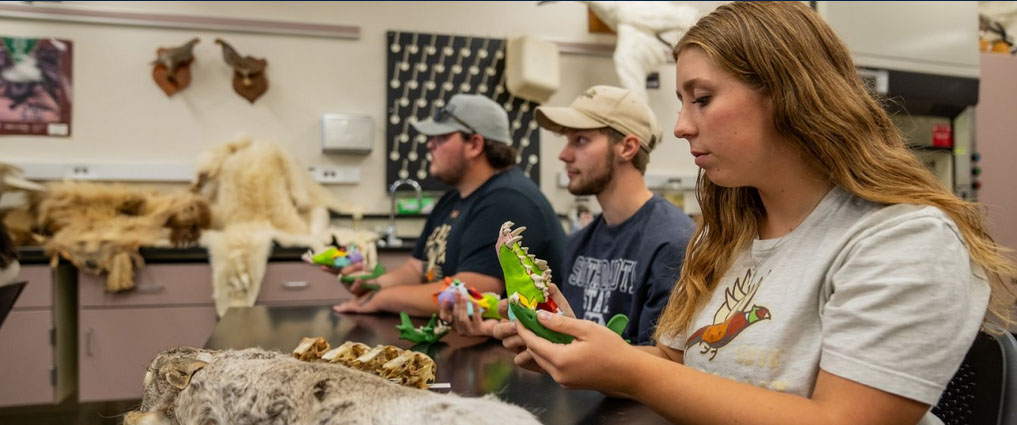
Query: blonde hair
[(786, 52)]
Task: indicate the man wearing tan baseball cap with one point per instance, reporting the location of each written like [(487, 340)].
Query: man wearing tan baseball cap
[(606, 107), (640, 237)]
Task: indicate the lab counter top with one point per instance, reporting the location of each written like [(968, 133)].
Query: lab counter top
[(36, 255), (472, 367)]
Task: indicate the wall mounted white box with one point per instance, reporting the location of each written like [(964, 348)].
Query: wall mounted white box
[(531, 68), (347, 133)]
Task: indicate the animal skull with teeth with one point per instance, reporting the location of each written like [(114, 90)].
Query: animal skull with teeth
[(526, 279)]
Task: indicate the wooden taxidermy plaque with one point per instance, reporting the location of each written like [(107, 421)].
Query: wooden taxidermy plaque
[(594, 24), (249, 80), (171, 68)]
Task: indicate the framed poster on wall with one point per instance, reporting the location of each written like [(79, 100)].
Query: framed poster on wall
[(35, 86)]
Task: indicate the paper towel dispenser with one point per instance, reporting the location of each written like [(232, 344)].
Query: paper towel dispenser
[(347, 133)]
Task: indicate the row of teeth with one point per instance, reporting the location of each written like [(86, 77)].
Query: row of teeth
[(539, 280)]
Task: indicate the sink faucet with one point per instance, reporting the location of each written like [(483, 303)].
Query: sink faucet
[(390, 238)]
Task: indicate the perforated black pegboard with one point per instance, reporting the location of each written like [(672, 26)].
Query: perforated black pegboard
[(424, 71)]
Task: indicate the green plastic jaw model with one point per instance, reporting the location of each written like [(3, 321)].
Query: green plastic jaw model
[(524, 273), (378, 271), (429, 333), (526, 280)]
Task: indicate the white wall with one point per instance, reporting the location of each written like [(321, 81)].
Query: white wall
[(120, 116)]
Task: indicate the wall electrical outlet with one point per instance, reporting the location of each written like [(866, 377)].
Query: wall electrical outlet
[(79, 172), (331, 174)]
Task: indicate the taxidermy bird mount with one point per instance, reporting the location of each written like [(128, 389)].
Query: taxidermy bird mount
[(172, 67), (644, 29), (249, 78)]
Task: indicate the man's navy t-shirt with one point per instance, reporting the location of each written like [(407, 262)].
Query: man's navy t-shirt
[(460, 233), (630, 268)]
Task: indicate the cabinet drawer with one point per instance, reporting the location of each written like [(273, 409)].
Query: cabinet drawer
[(299, 283), (156, 284), (115, 346), (39, 290), (26, 358)]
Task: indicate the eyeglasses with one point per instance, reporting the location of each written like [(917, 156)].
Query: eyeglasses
[(447, 112)]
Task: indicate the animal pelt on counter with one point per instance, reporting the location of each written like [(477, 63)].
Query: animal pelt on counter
[(100, 227), (259, 195), (252, 387), (17, 216), (9, 265)]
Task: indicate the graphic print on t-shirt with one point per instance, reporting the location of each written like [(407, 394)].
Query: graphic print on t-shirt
[(732, 317), (435, 250), (599, 278)]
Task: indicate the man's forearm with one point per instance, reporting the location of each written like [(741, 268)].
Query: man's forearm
[(416, 300), (405, 274)]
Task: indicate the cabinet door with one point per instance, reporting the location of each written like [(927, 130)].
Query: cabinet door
[(39, 290), (116, 345), (26, 358)]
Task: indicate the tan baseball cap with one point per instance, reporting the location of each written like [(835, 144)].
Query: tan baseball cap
[(604, 106)]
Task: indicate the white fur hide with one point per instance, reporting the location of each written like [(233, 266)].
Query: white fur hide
[(259, 195)]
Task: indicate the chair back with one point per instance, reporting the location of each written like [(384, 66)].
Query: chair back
[(8, 295), (984, 389)]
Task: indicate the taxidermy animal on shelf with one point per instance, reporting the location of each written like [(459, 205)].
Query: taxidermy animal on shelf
[(642, 26), (249, 78), (9, 265), (255, 387), (17, 216), (997, 25), (99, 228), (172, 67)]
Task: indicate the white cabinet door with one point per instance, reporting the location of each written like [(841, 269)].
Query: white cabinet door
[(115, 346), (26, 358)]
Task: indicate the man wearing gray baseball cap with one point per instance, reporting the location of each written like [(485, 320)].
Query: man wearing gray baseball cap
[(471, 150), (610, 133)]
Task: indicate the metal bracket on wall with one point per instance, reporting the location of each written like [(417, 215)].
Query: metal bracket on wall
[(88, 14)]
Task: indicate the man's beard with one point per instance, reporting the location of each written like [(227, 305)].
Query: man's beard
[(597, 182), (453, 173)]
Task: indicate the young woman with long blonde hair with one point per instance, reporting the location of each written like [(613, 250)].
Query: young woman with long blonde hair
[(833, 280)]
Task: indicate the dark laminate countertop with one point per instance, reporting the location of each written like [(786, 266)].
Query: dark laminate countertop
[(35, 254), (473, 367)]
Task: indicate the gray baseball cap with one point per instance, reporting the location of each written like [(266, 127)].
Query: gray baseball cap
[(468, 113)]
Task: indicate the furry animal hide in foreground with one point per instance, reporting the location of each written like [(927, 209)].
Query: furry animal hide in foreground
[(252, 387), (259, 195), (100, 227)]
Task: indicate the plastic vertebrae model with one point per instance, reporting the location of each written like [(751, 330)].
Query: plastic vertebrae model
[(486, 302), (338, 258)]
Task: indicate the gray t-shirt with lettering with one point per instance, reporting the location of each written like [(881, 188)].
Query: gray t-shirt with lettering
[(882, 295)]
